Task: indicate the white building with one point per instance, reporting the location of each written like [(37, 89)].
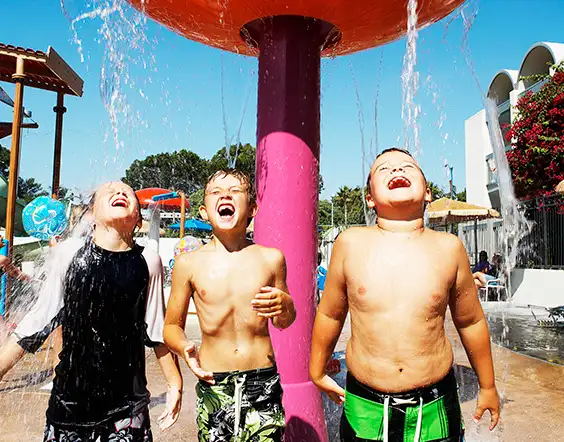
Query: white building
[(528, 285), (506, 87)]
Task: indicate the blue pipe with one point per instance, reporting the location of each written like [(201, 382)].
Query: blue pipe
[(165, 196)]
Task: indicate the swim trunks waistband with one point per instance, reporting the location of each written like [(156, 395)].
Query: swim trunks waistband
[(255, 373), (428, 394)]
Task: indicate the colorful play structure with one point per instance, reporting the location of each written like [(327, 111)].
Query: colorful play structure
[(289, 37), (40, 70)]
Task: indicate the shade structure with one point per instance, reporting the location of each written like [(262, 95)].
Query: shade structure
[(193, 224), (358, 24), (146, 198), (445, 210), (560, 187)]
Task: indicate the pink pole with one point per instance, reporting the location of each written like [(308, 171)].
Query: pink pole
[(287, 190)]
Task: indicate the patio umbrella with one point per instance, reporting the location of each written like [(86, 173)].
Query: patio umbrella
[(445, 210), (193, 224), (560, 187)]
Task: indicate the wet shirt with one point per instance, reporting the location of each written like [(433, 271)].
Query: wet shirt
[(110, 305)]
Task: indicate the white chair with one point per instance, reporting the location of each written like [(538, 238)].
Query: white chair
[(493, 284)]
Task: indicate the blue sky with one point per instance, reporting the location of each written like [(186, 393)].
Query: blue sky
[(170, 93)]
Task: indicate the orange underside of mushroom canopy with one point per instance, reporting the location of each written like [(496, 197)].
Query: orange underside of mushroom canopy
[(362, 24), (145, 198)]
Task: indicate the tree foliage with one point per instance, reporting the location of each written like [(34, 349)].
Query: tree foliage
[(537, 138), (182, 170)]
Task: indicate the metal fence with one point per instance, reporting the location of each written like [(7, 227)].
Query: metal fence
[(543, 247)]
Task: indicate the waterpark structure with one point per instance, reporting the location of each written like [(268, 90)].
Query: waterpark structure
[(289, 37), (40, 70)]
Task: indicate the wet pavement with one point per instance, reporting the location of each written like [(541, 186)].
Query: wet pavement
[(532, 394)]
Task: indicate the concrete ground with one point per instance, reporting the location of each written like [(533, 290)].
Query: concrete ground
[(532, 395)]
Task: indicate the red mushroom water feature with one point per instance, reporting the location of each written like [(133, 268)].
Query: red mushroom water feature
[(155, 196), (289, 37)]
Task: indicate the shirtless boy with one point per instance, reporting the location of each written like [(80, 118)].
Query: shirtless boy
[(397, 279), (237, 286)]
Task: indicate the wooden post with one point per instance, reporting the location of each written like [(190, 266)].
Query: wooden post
[(15, 154), (59, 110), (182, 213)]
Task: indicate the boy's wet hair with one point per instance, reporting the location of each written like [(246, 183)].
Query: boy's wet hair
[(243, 178), (385, 151)]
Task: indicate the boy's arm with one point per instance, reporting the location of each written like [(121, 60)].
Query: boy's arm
[(171, 371), (275, 302), (10, 354), (175, 320), (12, 270), (470, 322), (331, 315)]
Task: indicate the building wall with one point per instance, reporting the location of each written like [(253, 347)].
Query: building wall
[(478, 146)]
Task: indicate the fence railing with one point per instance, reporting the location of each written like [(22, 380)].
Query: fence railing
[(543, 247)]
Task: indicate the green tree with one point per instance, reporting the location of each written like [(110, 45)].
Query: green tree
[(243, 156), (182, 170), (28, 189), (461, 196), (196, 200), (436, 191), (4, 161), (348, 206)]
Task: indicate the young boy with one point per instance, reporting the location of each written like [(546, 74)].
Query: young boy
[(397, 280), (106, 292), (237, 286)]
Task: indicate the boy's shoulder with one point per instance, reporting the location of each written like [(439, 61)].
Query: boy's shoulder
[(445, 240), (271, 254), (355, 234)]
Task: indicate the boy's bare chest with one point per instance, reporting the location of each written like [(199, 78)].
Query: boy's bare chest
[(231, 280), (400, 279)]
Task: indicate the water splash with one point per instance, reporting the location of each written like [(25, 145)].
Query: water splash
[(410, 83), (515, 226), (123, 37)]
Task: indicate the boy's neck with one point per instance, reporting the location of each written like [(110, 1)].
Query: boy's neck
[(111, 239), (230, 241), (402, 227)]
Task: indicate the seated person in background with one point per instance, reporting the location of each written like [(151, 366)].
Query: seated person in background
[(483, 264), (481, 278)]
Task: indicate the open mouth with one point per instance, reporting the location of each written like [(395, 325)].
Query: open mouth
[(398, 182), (120, 202), (226, 210)]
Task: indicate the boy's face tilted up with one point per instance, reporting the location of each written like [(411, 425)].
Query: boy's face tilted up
[(115, 203), (226, 203), (396, 180)]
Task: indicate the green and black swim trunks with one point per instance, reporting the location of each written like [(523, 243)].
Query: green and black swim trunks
[(242, 406), (422, 415)]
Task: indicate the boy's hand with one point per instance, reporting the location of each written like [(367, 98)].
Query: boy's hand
[(271, 302), (192, 358), (488, 399), (173, 405), (331, 388)]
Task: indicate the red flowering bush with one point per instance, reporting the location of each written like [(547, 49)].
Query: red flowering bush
[(537, 138)]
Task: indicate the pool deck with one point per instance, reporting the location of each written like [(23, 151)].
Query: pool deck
[(532, 397)]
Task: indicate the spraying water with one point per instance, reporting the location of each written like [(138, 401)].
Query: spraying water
[(410, 83)]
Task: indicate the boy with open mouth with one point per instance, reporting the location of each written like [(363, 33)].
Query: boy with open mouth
[(237, 287), (397, 279), (106, 292)]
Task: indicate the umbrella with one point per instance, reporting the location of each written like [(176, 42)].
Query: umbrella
[(560, 187), (193, 224), (445, 210)]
